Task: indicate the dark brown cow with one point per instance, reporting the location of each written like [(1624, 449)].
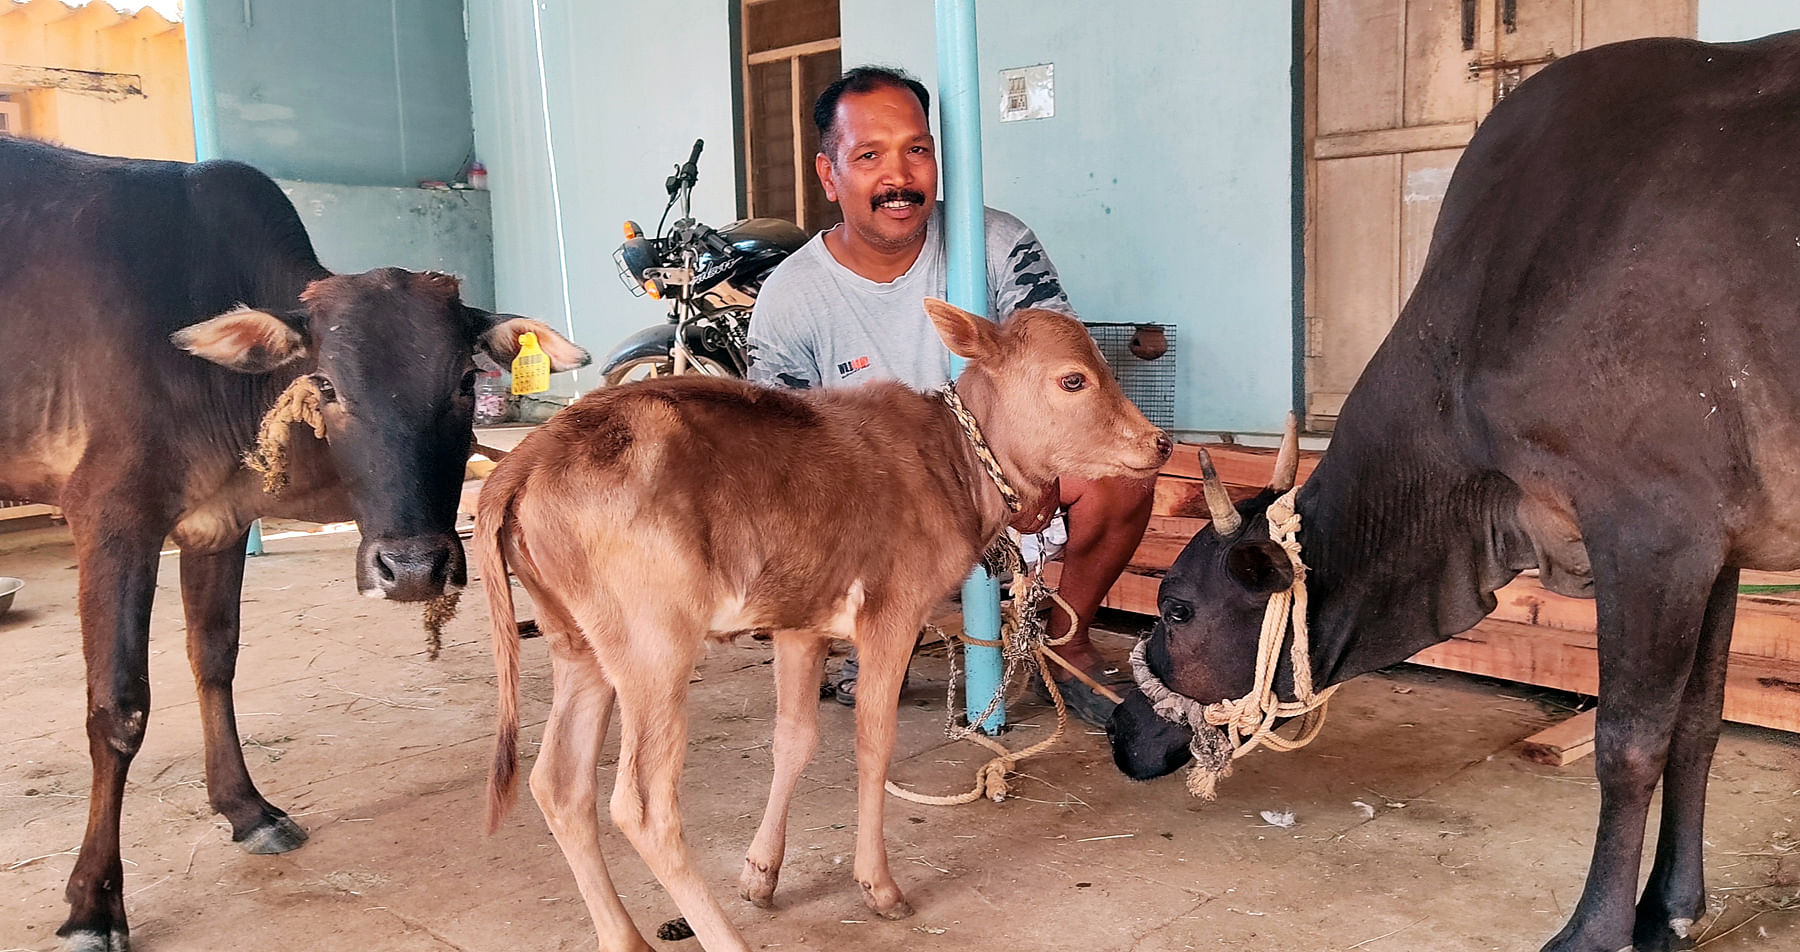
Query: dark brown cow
[(647, 518), (106, 416), (1594, 377)]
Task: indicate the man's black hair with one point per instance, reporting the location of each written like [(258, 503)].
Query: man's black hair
[(862, 79)]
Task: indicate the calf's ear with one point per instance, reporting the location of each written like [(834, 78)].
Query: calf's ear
[(1261, 566), (967, 335), (498, 336), (245, 339)]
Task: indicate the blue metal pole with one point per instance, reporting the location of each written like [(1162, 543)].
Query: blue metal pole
[(195, 17), (959, 115)]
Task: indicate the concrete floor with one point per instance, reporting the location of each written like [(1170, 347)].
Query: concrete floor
[(382, 756)]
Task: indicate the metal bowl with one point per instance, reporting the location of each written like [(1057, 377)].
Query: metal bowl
[(8, 588)]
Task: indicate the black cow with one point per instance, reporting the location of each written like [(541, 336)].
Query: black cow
[(1594, 376), (106, 260)]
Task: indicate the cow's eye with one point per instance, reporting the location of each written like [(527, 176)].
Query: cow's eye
[(1074, 382), (327, 392), (1178, 613)]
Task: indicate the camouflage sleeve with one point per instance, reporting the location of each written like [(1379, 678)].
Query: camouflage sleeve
[(1020, 274)]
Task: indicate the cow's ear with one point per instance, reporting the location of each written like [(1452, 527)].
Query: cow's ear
[(968, 336), (1261, 566), (498, 336), (246, 340)]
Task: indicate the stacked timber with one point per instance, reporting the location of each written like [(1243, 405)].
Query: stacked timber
[(1535, 636)]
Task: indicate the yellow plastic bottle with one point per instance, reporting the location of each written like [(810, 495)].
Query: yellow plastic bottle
[(531, 368)]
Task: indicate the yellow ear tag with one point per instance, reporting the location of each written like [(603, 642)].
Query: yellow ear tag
[(531, 369)]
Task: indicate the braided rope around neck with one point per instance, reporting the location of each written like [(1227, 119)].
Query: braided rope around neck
[(1248, 722), (972, 430)]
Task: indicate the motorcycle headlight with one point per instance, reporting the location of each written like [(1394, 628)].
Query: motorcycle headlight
[(625, 274)]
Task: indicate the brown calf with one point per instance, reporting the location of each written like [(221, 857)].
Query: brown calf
[(647, 518)]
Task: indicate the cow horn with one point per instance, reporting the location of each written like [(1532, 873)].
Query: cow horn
[(1287, 462), (1225, 518)]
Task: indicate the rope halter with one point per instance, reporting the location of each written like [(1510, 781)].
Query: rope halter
[(1227, 730), (299, 403), (983, 452)]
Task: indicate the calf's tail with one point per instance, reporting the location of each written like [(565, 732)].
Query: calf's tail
[(492, 514)]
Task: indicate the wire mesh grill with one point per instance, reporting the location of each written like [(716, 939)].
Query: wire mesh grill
[(1149, 383)]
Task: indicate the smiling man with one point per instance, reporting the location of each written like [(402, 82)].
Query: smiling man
[(849, 307)]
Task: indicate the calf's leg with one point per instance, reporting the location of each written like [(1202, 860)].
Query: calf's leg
[(1675, 896), (564, 781), (211, 586), (649, 664), (885, 646), (118, 580), (1652, 593), (799, 658)]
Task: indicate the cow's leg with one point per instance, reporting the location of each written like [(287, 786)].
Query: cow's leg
[(799, 657), (1651, 591), (649, 664), (211, 586), (1675, 897), (564, 781), (885, 646), (118, 581)]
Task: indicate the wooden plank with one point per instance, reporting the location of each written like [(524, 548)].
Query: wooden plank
[(1760, 691), (1245, 466), (1448, 135), (1562, 744), (27, 511), (1764, 629), (111, 86)]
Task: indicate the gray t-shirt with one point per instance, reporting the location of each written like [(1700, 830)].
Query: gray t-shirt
[(817, 323)]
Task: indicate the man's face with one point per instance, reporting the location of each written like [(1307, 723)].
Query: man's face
[(884, 175)]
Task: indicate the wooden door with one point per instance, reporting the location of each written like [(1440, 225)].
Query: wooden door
[(1395, 89), (791, 52)]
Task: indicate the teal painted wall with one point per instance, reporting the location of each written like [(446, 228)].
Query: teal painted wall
[(630, 87), (359, 227), (1163, 186), (355, 92), (1722, 21), (349, 104)]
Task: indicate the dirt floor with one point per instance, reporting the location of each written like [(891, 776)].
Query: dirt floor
[(1416, 824)]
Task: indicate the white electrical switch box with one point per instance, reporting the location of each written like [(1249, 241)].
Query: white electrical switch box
[(1028, 92)]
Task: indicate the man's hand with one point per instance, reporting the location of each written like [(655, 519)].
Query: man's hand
[(1035, 516)]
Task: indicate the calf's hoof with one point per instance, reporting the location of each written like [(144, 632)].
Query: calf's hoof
[(273, 835), (93, 940), (757, 884), (887, 902)]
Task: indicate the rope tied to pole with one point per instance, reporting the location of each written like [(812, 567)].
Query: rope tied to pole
[(1023, 639), (1229, 729)]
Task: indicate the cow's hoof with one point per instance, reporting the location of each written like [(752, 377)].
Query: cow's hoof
[(757, 884), (275, 835), (887, 903), (93, 940), (1674, 936)]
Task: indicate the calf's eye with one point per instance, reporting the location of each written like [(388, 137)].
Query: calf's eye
[(1073, 382), (1178, 613)]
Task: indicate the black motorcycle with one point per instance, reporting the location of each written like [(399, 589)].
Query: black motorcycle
[(710, 277)]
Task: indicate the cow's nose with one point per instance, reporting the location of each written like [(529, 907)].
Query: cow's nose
[(408, 570), (1164, 446)]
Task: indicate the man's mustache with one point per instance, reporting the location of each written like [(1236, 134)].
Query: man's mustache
[(896, 195)]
